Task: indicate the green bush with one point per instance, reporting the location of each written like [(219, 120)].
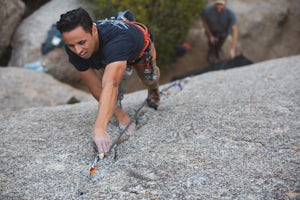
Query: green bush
[(168, 20)]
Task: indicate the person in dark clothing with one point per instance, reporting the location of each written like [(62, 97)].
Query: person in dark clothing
[(219, 21), (113, 46)]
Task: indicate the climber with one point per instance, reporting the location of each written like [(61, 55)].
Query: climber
[(219, 21), (113, 46)]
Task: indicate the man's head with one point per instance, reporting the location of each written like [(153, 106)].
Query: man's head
[(220, 5), (79, 32)]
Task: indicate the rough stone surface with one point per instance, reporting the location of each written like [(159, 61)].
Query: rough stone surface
[(267, 30), (9, 21), (22, 88), (230, 134), (32, 32)]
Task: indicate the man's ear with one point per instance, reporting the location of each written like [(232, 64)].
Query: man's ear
[(94, 29)]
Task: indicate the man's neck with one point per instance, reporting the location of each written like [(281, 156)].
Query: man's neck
[(97, 41)]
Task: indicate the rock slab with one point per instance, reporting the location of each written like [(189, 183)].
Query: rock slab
[(22, 89), (230, 134), (9, 21)]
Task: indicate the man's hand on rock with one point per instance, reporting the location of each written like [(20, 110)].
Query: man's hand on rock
[(102, 140)]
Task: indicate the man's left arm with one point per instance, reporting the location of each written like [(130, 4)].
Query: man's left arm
[(234, 41)]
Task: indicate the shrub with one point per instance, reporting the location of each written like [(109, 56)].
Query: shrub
[(168, 20)]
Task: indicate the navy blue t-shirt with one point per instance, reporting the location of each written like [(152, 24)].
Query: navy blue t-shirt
[(118, 41)]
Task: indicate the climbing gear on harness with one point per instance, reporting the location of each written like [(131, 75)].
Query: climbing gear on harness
[(128, 17), (128, 71), (145, 52), (153, 99), (149, 68)]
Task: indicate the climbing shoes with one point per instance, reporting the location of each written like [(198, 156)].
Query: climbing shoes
[(153, 99)]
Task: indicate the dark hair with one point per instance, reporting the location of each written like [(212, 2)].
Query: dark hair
[(74, 18)]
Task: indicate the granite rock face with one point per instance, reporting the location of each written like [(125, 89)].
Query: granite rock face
[(22, 89), (9, 21), (268, 29), (230, 134)]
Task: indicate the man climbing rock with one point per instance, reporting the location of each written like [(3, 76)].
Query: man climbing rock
[(219, 21), (111, 45)]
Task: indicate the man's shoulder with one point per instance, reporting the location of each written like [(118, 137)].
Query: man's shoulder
[(207, 11), (209, 7), (230, 10)]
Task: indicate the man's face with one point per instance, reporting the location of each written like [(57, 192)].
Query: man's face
[(219, 7), (81, 42)]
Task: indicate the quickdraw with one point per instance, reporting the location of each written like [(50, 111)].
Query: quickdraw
[(149, 68)]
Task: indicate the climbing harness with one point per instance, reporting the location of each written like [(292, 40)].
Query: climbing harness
[(145, 52), (128, 17)]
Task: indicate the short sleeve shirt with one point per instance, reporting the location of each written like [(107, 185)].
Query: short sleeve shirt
[(219, 23), (118, 40)]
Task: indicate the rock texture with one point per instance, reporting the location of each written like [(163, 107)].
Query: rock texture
[(22, 88), (32, 33), (230, 134), (267, 30), (9, 21)]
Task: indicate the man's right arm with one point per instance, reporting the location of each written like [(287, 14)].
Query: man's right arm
[(207, 30), (92, 81), (234, 41)]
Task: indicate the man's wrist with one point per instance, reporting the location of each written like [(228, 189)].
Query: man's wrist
[(98, 129)]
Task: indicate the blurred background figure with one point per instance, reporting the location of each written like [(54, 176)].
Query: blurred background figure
[(219, 21)]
